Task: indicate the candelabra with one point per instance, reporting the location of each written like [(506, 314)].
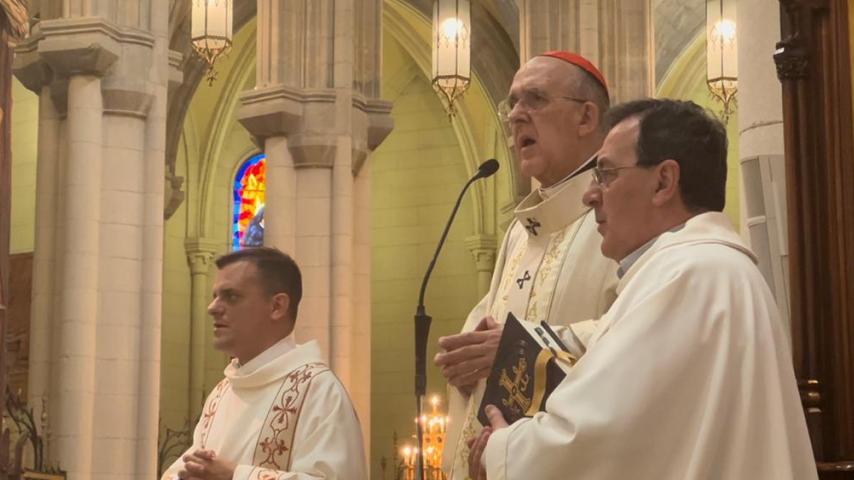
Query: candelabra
[(434, 426)]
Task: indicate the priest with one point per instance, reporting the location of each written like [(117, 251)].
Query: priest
[(689, 374), (279, 413), (549, 266)]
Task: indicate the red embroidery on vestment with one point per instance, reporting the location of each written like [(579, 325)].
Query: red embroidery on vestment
[(211, 407), (275, 441), (266, 474)]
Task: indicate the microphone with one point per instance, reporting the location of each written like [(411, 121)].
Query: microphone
[(486, 169), (422, 320)]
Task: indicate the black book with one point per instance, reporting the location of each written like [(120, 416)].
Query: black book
[(530, 363)]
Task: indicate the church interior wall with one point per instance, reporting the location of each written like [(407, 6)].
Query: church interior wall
[(25, 123), (416, 176)]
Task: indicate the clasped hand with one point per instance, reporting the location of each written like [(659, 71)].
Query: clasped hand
[(467, 357), (205, 465)]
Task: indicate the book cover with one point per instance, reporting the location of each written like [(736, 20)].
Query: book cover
[(528, 366)]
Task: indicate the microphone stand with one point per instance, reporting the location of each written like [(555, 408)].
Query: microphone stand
[(422, 322)]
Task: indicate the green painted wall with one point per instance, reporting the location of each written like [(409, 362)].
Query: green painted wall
[(416, 176), (25, 126)]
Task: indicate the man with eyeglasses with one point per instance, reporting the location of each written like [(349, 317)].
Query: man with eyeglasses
[(549, 266), (689, 374)]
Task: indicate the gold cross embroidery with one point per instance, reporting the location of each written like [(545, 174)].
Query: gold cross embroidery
[(516, 399)]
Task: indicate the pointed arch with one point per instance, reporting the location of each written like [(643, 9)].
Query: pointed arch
[(476, 126)]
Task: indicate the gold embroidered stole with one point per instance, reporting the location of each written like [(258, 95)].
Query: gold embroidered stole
[(539, 297), (529, 277)]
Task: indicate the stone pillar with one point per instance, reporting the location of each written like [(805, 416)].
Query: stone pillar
[(615, 35), (315, 112), (200, 255), (79, 267), (482, 248), (44, 254), (101, 72), (760, 123)]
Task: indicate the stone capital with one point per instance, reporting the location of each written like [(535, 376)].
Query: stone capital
[(313, 150), (200, 254), (61, 48), (29, 67), (270, 112), (176, 72), (380, 121), (85, 45), (483, 247), (372, 122)]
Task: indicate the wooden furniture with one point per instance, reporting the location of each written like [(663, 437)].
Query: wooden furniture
[(814, 66)]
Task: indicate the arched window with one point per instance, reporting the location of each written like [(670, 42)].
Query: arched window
[(248, 222)]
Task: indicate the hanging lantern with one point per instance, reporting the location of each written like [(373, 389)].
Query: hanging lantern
[(211, 31), (722, 54), (451, 49)]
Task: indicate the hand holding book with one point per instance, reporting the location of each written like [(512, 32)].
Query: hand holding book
[(530, 363), (468, 356)]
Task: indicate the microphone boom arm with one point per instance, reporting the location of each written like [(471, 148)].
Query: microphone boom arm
[(422, 320)]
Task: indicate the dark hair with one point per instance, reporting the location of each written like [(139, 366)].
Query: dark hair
[(684, 132), (277, 272)]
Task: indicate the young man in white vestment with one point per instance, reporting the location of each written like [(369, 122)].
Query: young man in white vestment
[(280, 413), (689, 374), (549, 266)]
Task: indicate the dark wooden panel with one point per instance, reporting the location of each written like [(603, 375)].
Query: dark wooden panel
[(18, 321), (5, 185), (814, 67)]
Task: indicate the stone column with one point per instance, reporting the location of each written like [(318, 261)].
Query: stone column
[(614, 35), (200, 255), (44, 255), (101, 72), (760, 123), (315, 112), (79, 251)]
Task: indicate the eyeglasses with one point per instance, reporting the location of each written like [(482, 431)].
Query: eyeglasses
[(604, 176), (530, 100)]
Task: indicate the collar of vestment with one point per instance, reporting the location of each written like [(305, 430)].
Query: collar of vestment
[(626, 263), (705, 228), (548, 192), (273, 364), (542, 216)]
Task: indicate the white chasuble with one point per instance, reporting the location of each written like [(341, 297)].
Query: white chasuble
[(282, 416), (550, 267), (688, 377)]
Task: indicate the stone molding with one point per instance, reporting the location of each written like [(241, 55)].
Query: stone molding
[(380, 121), (274, 111), (61, 48), (129, 103), (200, 254), (483, 248), (176, 72), (282, 111), (313, 150)]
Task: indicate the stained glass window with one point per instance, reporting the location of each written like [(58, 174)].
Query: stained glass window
[(248, 223)]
